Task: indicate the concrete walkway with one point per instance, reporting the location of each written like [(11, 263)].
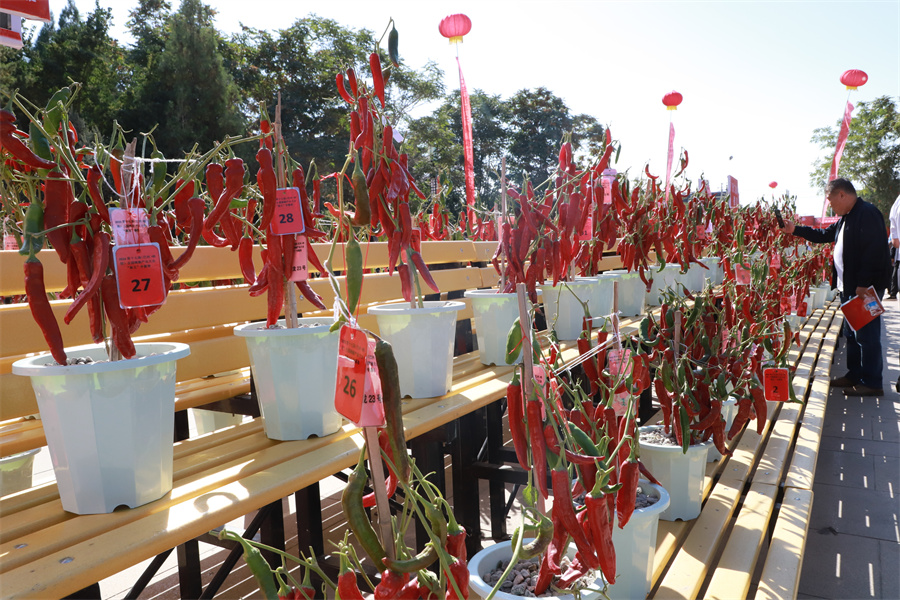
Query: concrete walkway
[(853, 543)]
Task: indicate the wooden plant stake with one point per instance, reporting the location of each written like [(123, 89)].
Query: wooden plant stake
[(376, 468), (290, 296), (528, 359)]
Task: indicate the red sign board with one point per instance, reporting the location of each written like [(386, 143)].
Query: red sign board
[(38, 10), (733, 197)]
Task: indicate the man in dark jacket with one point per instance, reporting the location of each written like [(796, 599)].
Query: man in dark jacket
[(860, 260)]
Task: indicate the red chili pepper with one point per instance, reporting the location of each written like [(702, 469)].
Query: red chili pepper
[(245, 257), (196, 206), (377, 79), (665, 401), (16, 147), (456, 542), (762, 409), (405, 283), (424, 272), (516, 413), (100, 262), (118, 319), (575, 572), (94, 175), (347, 587), (459, 572), (590, 368), (41, 309), (601, 528), (538, 446), (310, 294), (275, 295), (392, 480), (268, 185), (545, 575), (628, 476), (56, 212), (234, 184), (562, 506), (158, 236), (390, 585), (339, 80)]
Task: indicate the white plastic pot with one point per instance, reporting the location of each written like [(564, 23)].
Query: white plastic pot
[(207, 421), (600, 301), (729, 410), (423, 344), (486, 560), (562, 308), (494, 314), (661, 282), (108, 424), (632, 292), (294, 371), (820, 295), (681, 474), (714, 274), (16, 472), (636, 546)]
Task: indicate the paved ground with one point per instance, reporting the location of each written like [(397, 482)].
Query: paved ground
[(853, 544)]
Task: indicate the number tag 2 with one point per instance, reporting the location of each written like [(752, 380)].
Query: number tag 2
[(351, 373), (776, 382), (139, 275), (620, 366)]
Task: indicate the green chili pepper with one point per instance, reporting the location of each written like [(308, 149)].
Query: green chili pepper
[(583, 440), (260, 569), (159, 171), (33, 240), (354, 274), (53, 112), (541, 542), (39, 143), (351, 501), (393, 46), (389, 375), (513, 342)]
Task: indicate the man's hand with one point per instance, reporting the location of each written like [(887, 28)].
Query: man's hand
[(896, 242), (863, 291), (788, 227)]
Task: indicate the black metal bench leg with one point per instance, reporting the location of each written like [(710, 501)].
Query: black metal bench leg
[(189, 582), (494, 455), (309, 519), (271, 532), (466, 499), (91, 592), (428, 452)]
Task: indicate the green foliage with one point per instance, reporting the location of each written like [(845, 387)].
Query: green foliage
[(871, 158)]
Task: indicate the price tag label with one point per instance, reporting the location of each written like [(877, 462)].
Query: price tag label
[(372, 411), (801, 309), (9, 242), (588, 232), (300, 268), (288, 216), (701, 232), (606, 181), (129, 226), (776, 382), (351, 373), (775, 261), (620, 366), (540, 375), (139, 275), (741, 274)]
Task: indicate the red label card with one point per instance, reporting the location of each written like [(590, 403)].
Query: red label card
[(588, 232), (139, 275), (776, 385), (129, 226), (300, 268), (351, 373), (775, 261), (606, 180), (9, 242), (288, 216), (372, 412), (741, 274)]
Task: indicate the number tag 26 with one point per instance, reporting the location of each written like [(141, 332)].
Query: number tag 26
[(357, 395)]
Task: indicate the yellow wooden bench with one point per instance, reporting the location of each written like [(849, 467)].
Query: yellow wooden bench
[(749, 537)]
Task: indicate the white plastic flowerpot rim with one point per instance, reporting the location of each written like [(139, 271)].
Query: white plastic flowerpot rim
[(680, 473), (108, 424), (43, 365), (308, 325), (486, 560), (295, 372), (422, 339), (495, 314)]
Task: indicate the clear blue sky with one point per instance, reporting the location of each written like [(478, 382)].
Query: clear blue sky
[(757, 77)]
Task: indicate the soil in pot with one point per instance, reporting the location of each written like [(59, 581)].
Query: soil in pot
[(522, 579)]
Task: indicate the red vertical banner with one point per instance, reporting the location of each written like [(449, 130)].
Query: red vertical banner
[(670, 157), (468, 153), (839, 148)]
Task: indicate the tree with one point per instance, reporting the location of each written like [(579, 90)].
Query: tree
[(301, 62), (871, 158), (74, 49)]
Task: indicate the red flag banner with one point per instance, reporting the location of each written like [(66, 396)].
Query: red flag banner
[(839, 148), (37, 10), (670, 157), (468, 153)]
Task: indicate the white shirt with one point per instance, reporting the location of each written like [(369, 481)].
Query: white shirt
[(839, 258), (895, 219)]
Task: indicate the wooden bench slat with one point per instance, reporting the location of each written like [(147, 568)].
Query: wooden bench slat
[(734, 571), (781, 573), (687, 572)]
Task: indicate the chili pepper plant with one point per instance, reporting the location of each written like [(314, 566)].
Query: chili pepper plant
[(66, 187)]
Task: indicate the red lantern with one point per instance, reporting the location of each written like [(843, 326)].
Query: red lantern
[(672, 100), (773, 185), (455, 27), (854, 78)]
